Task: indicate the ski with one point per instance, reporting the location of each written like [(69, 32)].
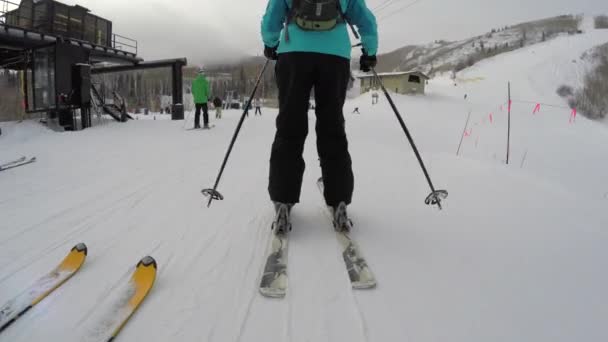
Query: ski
[(18, 306), (200, 128), (359, 272), (274, 277), (133, 294), (17, 164), (13, 162)]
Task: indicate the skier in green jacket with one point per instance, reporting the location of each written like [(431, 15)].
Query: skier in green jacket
[(200, 92)]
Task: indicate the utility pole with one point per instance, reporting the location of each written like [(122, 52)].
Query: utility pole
[(509, 123)]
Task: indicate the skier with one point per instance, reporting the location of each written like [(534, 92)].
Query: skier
[(310, 42), (258, 106), (217, 103), (374, 98), (356, 111), (200, 92)]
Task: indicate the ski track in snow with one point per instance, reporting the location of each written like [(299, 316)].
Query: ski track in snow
[(514, 256)]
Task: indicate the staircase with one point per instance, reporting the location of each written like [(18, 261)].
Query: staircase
[(116, 111)]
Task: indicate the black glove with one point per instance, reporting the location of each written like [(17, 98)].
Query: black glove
[(366, 62), (271, 53)]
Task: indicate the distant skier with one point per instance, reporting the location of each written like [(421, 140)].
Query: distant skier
[(247, 106), (200, 92), (356, 111), (258, 106), (217, 103), (374, 98), (310, 41)]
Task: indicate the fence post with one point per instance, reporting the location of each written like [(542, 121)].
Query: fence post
[(463, 133), (509, 122)]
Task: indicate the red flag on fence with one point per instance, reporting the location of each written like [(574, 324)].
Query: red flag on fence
[(573, 115)]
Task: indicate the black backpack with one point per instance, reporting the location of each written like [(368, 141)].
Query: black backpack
[(316, 15)]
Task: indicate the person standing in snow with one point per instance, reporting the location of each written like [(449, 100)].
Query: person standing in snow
[(374, 98), (310, 42), (217, 103), (200, 92), (258, 106)]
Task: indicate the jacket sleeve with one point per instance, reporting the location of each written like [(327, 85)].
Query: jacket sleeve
[(272, 22), (361, 16)]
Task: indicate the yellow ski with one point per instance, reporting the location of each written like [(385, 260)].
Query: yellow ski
[(140, 284), (18, 306)]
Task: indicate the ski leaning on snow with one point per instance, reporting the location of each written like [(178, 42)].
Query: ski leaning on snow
[(361, 276), (274, 278), (16, 163), (22, 159), (18, 306), (132, 295)]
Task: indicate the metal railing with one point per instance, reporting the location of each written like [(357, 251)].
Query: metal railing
[(11, 14), (124, 43)]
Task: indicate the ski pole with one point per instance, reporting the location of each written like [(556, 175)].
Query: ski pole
[(213, 194), (436, 195)]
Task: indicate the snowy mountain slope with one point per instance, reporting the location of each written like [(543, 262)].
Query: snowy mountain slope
[(517, 255), (442, 56)]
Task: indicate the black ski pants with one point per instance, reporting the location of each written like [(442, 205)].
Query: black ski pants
[(197, 114), (297, 73)]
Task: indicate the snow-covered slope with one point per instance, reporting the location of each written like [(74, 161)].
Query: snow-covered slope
[(518, 254), (442, 56)]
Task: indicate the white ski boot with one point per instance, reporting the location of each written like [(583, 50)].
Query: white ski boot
[(281, 223), (340, 218)]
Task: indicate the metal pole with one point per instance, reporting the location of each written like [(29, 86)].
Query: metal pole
[(463, 133), (509, 123)]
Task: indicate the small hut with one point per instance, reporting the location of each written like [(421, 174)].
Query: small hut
[(406, 82)]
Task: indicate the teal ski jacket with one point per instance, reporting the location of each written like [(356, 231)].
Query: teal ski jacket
[(335, 42)]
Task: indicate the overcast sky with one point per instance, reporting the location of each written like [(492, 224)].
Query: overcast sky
[(207, 31)]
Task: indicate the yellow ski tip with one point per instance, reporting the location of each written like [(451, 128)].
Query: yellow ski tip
[(66, 269), (143, 279), (74, 259)]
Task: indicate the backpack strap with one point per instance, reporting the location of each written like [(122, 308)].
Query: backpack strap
[(346, 20), (290, 14)]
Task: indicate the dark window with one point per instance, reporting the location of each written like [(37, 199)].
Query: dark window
[(61, 19), (414, 79), (25, 14), (41, 17), (76, 22), (89, 28), (101, 36), (44, 78)]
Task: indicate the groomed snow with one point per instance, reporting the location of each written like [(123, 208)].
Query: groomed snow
[(518, 253)]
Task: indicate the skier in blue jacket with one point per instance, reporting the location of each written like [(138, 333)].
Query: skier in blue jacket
[(309, 40)]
